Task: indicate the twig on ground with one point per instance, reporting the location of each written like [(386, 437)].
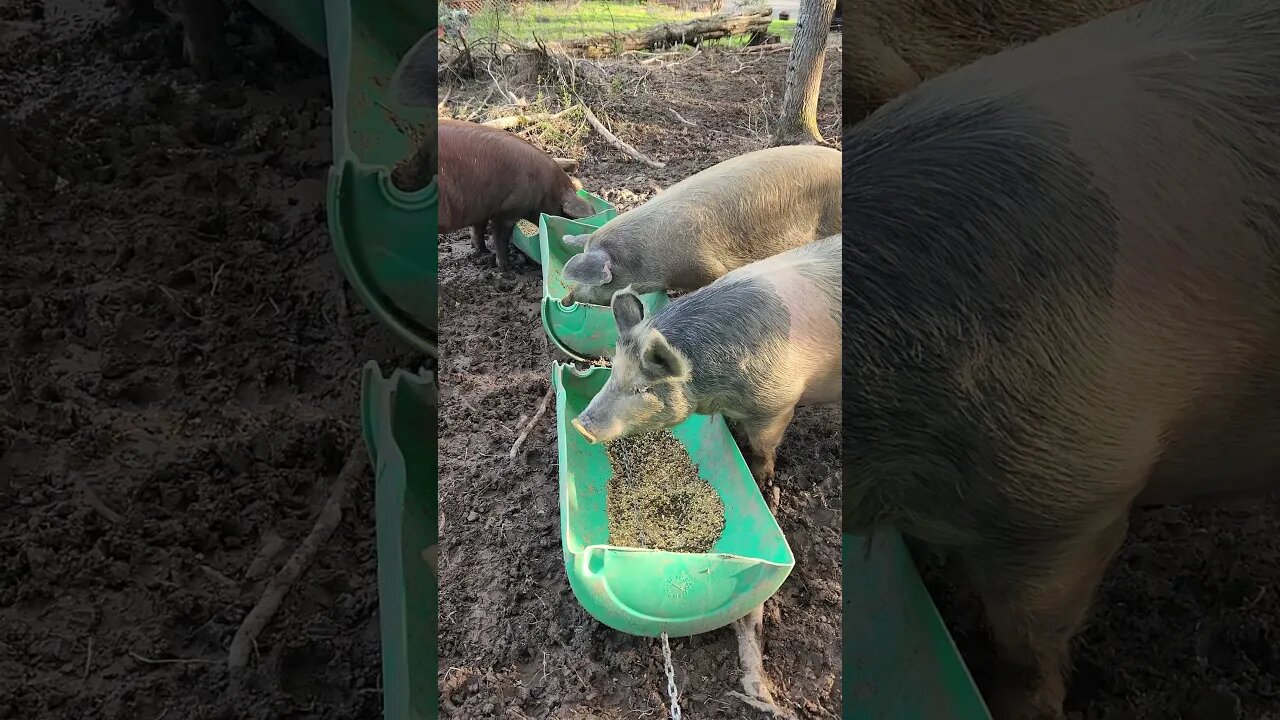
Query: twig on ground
[(170, 661), (88, 662), (330, 515), (614, 141), (537, 415), (178, 303), (515, 121), (213, 574), (686, 122), (272, 544), (214, 289), (92, 500)]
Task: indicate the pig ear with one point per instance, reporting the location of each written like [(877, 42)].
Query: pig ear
[(661, 358), (628, 311), (575, 207), (415, 82), (577, 240), (589, 268)]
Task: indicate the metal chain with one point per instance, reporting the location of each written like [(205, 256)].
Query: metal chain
[(672, 690)]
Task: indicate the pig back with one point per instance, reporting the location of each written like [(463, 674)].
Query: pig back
[(736, 212), (896, 45), (487, 173), (767, 335), (1069, 272)]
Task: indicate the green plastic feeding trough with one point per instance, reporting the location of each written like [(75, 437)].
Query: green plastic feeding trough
[(531, 244), (648, 592), (383, 239), (899, 661), (383, 236), (399, 419), (583, 332)]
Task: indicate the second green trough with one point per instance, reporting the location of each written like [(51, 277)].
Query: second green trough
[(583, 332)]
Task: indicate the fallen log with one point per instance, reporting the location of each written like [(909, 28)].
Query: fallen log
[(693, 32)]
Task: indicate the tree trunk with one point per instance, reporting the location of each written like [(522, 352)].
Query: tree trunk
[(798, 122), (692, 32)]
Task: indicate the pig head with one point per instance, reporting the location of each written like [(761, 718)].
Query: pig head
[(650, 384)]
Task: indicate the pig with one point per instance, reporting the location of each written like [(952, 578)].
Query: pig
[(204, 45), (890, 47), (744, 209), (492, 177), (416, 82), (752, 345), (1062, 287)]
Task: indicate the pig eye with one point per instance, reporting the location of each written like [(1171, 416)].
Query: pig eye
[(642, 390)]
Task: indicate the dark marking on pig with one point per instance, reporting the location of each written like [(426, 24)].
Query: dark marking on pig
[(706, 334), (1062, 299)]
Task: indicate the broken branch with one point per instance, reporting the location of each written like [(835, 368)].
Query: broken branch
[(257, 619), (537, 415), (614, 141), (694, 32)]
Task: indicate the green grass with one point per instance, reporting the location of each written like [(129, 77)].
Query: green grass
[(584, 18)]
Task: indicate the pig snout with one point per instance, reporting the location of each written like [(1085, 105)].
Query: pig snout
[(597, 427)]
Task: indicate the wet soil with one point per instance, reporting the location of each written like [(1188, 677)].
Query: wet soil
[(178, 378), (514, 641), (1185, 627)]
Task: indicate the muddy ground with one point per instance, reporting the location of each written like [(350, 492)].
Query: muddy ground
[(1185, 627), (178, 378), (514, 642)]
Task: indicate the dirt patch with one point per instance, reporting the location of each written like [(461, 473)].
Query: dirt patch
[(655, 498), (1184, 626), (513, 639), (178, 378)]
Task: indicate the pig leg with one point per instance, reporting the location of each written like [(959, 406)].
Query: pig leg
[(1035, 604), (203, 45), (764, 437), (477, 238), (502, 230), (755, 683)]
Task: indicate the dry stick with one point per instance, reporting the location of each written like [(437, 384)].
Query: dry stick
[(272, 544), (171, 661), (515, 121), (330, 515), (766, 49), (614, 141), (92, 500), (537, 415), (88, 662)]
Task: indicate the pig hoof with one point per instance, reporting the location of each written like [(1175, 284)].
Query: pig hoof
[(762, 471)]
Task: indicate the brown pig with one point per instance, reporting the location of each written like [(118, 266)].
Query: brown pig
[(1061, 290), (490, 177), (890, 47)]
